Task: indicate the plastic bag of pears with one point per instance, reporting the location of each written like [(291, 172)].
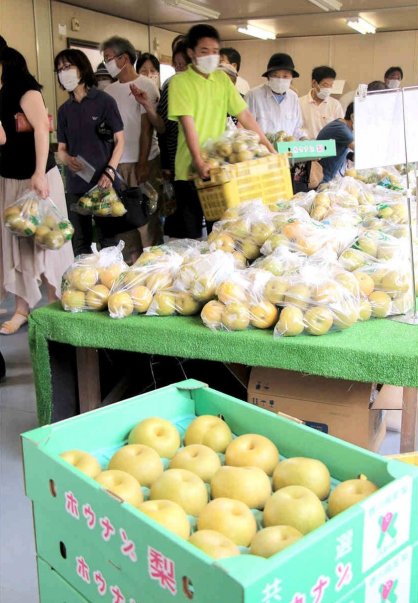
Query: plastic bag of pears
[(196, 283), (240, 303), (86, 284), (33, 216), (53, 230), (315, 300), (101, 202), (234, 146), (134, 291)]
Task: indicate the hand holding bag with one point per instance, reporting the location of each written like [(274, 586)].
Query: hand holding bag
[(135, 202)]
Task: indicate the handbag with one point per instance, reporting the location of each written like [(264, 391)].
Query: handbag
[(136, 205), (22, 124)]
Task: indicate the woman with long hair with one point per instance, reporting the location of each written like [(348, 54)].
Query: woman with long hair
[(90, 131), (26, 163)]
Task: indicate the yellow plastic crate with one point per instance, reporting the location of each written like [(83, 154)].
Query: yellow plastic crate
[(267, 178)]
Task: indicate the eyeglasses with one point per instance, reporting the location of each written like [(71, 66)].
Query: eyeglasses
[(65, 67), (117, 56)]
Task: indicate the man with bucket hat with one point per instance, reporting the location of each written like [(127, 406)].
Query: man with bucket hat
[(274, 105)]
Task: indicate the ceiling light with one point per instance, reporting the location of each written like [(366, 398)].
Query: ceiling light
[(192, 7), (362, 26), (327, 4), (257, 32)]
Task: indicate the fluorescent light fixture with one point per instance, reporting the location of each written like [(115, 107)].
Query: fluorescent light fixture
[(327, 4), (360, 25), (257, 32), (192, 7)]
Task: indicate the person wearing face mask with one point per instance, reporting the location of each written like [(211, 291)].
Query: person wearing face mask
[(200, 99), (149, 66), (231, 56), (90, 130), (318, 107), (393, 77), (120, 57), (103, 77), (26, 162), (274, 105)]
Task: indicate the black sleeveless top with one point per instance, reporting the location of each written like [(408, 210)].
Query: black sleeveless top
[(17, 156)]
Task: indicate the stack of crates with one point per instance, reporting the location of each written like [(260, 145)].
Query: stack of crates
[(93, 547), (267, 178)]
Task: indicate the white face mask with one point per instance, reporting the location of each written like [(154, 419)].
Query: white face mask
[(69, 79), (208, 64), (324, 93), (279, 85), (113, 69), (393, 84)]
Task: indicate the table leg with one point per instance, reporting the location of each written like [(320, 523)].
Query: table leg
[(89, 393), (409, 426)]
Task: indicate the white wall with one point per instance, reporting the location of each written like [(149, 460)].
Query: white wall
[(355, 57)]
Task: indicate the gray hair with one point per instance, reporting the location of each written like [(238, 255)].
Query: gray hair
[(120, 46)]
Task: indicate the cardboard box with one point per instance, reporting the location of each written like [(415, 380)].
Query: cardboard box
[(53, 588), (94, 541), (345, 409)]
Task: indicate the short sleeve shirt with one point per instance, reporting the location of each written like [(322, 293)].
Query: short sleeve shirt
[(77, 129), (317, 116), (336, 130), (208, 101), (131, 113)]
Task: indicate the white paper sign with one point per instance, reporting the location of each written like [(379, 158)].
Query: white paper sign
[(379, 128)]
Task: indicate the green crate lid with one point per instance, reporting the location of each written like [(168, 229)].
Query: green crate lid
[(307, 149)]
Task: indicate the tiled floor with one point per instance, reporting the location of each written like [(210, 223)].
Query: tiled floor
[(18, 580)]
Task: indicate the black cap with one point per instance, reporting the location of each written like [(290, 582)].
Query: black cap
[(278, 61)]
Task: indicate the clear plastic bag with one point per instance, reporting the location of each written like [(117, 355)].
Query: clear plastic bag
[(152, 196), (104, 203), (168, 199), (53, 230), (87, 283), (381, 264), (319, 298), (234, 146), (22, 218), (196, 282), (241, 303), (33, 216), (243, 230), (134, 291)]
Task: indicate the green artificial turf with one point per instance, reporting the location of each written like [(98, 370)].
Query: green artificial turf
[(378, 350)]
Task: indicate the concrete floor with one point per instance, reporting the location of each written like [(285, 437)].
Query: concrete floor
[(18, 581)]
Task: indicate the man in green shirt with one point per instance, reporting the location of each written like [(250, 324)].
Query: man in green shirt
[(200, 99)]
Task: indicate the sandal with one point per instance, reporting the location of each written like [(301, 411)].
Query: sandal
[(14, 324)]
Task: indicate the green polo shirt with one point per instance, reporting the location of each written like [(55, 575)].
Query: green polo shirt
[(208, 101)]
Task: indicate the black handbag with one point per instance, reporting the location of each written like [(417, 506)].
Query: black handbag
[(136, 205)]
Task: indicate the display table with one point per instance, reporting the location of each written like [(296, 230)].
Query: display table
[(381, 351)]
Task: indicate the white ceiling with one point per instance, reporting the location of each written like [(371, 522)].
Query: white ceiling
[(287, 18)]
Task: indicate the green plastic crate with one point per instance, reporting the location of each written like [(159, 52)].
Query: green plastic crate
[(307, 150), (353, 540), (53, 588)]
